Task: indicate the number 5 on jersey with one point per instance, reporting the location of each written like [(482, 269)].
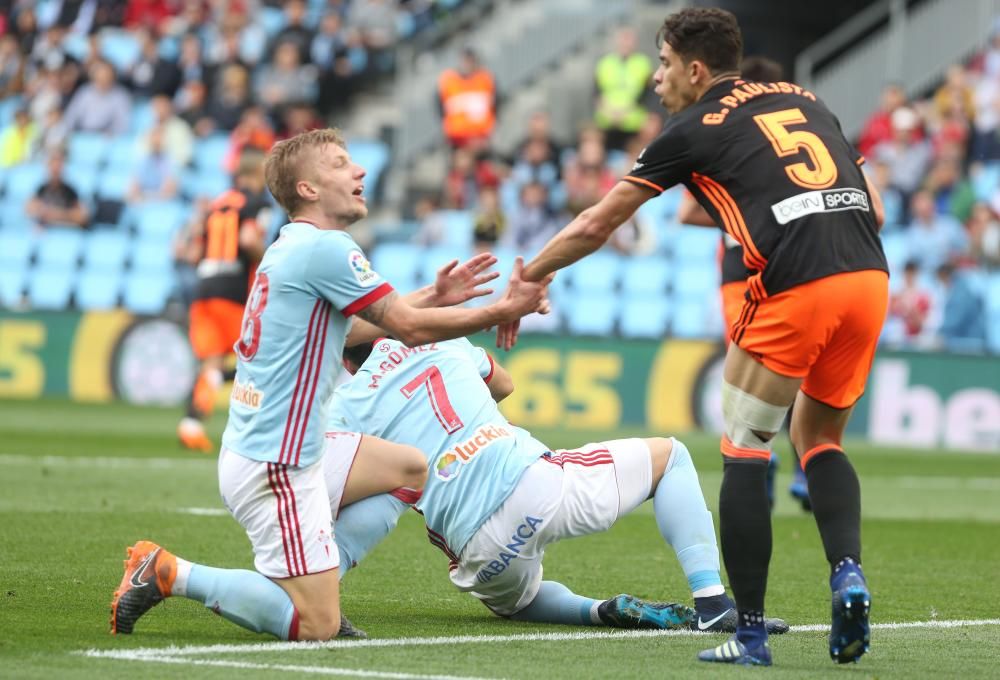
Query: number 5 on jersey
[(821, 171), (250, 333)]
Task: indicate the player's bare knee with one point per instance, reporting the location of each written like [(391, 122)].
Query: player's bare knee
[(318, 624), (414, 470)]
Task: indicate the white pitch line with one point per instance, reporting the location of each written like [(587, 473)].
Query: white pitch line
[(114, 463), (204, 512), (137, 654), (292, 668)]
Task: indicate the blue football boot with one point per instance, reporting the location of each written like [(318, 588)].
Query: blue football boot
[(735, 652), (850, 634), (626, 611)]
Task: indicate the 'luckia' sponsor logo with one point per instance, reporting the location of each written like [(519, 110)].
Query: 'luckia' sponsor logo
[(512, 550), (449, 463), (247, 394), (811, 202)]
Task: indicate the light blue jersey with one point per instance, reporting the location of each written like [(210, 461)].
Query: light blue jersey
[(435, 397), (308, 284)]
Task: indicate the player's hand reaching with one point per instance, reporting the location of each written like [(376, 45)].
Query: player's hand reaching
[(523, 298), (457, 283)]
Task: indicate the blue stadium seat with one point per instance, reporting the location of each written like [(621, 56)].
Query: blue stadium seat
[(142, 117), (694, 282), (113, 184), (153, 256), (432, 259), (8, 106), (123, 154), (50, 288), (16, 248), (205, 182), (590, 313), (993, 330), (23, 181), (59, 248), (120, 47), (13, 217), (398, 264), (83, 179), (88, 149), (12, 280), (160, 219), (147, 294), (98, 289), (458, 227), (373, 157), (272, 19), (691, 320), (597, 273), (897, 249), (646, 275), (986, 181), (211, 151), (695, 245), (106, 250), (645, 316)]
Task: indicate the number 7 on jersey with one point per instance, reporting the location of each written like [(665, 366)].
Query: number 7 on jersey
[(434, 382)]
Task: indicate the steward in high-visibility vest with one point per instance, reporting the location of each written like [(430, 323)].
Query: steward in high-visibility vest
[(467, 98), (622, 78)]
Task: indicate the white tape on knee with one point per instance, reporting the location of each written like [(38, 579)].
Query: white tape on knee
[(745, 415)]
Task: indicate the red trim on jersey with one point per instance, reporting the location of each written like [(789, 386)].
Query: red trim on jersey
[(438, 540), (316, 367), (292, 407), (493, 368), (281, 518), (298, 527), (406, 494), (367, 299), (644, 182)]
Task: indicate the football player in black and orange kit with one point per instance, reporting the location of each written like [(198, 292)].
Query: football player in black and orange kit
[(769, 163), (229, 244), (734, 273)]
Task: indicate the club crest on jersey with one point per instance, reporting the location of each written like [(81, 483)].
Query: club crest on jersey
[(361, 268), (450, 463), (247, 395)]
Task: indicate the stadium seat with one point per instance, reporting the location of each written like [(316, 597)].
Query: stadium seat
[(23, 181), (695, 245), (458, 227), (690, 319), (50, 289), (147, 294), (590, 313), (120, 47), (897, 249), (694, 282), (645, 316), (98, 289), (106, 250), (204, 183), (160, 219), (272, 19), (153, 256), (597, 273), (12, 281), (432, 259), (59, 248), (87, 149), (123, 154), (211, 151), (83, 179), (16, 248), (8, 106), (113, 184), (373, 157), (13, 217), (645, 275), (397, 263)]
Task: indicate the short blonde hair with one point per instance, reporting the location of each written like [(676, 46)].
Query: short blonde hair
[(282, 167)]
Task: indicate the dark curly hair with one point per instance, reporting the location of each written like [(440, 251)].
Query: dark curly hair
[(706, 34)]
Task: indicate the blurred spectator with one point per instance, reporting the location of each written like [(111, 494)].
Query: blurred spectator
[(17, 140), (908, 307), (338, 85), (48, 48), (490, 222), (190, 61), (426, 211), (178, 139), (26, 29), (467, 97), (298, 117), (953, 193), (955, 94), (56, 202), (878, 128), (984, 236), (152, 74), (586, 176), (101, 105), (254, 131), (286, 79), (151, 14), (51, 135), (539, 131), (376, 21), (467, 177), (934, 239), (622, 78), (533, 222), (230, 97), (536, 163), (963, 324), (11, 66), (906, 153), (225, 49), (155, 176), (192, 108), (294, 32), (650, 130), (330, 39)]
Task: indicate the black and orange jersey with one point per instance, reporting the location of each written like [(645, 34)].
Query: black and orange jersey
[(731, 263), (769, 163), (224, 268)]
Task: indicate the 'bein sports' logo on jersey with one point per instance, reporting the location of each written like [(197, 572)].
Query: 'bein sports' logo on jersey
[(361, 268), (450, 463), (811, 202)]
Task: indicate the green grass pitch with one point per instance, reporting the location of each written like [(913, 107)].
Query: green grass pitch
[(78, 483)]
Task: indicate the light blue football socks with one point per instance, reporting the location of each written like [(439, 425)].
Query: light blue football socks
[(555, 603), (362, 525)]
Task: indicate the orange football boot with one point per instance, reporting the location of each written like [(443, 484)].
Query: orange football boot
[(149, 577), (191, 434)]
